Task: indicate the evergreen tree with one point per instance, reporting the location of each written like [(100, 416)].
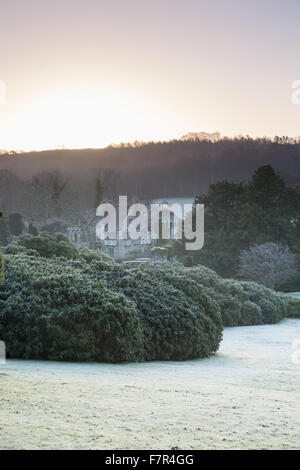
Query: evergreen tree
[(240, 215), (99, 191), (16, 224), (32, 230)]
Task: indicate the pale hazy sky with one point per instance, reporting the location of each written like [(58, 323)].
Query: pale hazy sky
[(91, 72)]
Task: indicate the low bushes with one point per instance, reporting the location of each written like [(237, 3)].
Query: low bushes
[(241, 303)]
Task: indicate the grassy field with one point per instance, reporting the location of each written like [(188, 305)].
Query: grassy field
[(246, 396)]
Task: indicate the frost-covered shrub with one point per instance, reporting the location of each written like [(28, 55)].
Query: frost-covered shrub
[(13, 249), (91, 308), (49, 246), (72, 310), (292, 306), (49, 310), (180, 321), (231, 296), (251, 314), (231, 309), (271, 303), (95, 255)]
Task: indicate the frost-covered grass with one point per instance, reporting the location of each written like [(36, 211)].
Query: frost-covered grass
[(246, 396)]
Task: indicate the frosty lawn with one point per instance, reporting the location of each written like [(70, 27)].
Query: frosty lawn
[(246, 396)]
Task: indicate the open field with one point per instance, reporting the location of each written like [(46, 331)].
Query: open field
[(246, 396)]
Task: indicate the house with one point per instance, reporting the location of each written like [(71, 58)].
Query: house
[(123, 247)]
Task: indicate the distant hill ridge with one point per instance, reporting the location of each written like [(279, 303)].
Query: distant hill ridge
[(176, 168)]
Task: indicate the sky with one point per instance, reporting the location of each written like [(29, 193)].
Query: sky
[(90, 73)]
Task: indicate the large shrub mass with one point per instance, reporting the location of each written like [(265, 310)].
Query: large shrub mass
[(49, 310), (75, 310), (89, 308), (179, 320), (241, 303)]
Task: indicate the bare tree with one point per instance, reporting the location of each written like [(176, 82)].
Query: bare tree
[(99, 189), (47, 189), (269, 264)]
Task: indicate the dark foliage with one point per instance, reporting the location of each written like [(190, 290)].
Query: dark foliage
[(49, 310), (239, 216), (49, 246)]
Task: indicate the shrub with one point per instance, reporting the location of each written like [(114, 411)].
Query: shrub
[(179, 320), (71, 310), (251, 314), (271, 303), (13, 249), (49, 246), (49, 310), (91, 255), (292, 306), (93, 309), (240, 303), (231, 296)]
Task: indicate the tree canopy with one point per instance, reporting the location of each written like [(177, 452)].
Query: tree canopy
[(240, 215)]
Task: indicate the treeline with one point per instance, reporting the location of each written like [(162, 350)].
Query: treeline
[(164, 169)]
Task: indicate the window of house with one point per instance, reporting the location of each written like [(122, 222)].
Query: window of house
[(111, 251)]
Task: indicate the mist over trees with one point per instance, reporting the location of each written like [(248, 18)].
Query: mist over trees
[(179, 168)]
